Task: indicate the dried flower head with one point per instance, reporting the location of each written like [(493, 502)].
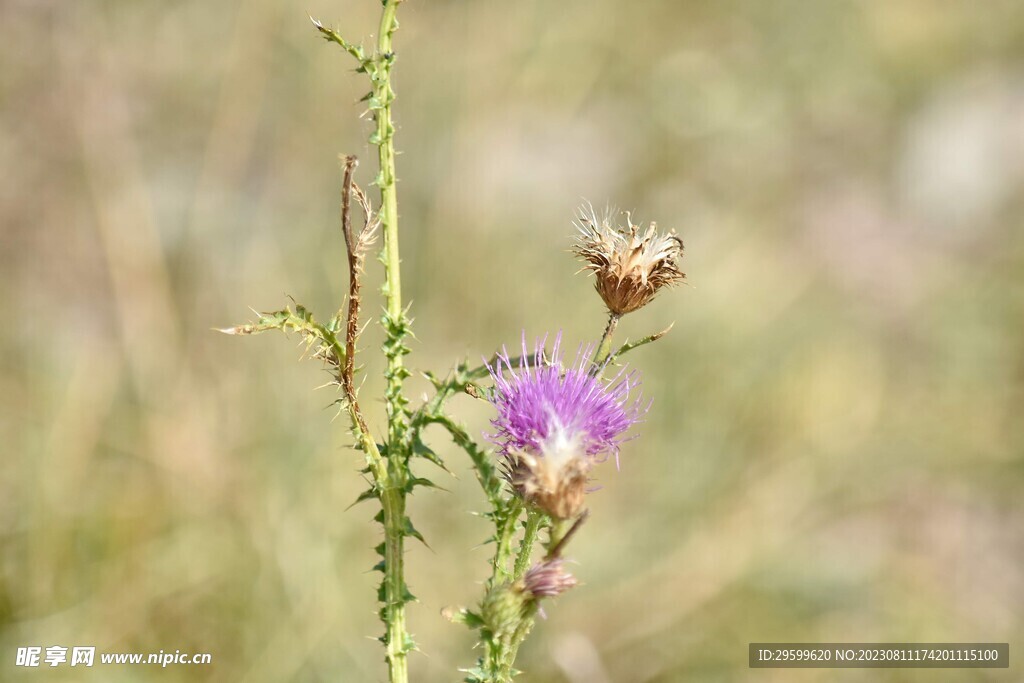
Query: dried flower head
[(554, 423), (630, 264), (548, 578)]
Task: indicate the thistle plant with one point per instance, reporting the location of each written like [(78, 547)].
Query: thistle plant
[(555, 419)]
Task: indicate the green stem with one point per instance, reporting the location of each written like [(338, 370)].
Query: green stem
[(534, 521), (510, 647), (483, 461), (496, 647), (506, 529), (394, 491), (385, 144), (629, 346), (384, 137), (559, 528), (395, 593), (604, 347), (500, 652)]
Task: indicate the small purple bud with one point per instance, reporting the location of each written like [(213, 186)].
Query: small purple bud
[(547, 578)]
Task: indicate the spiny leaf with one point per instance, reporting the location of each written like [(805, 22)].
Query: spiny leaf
[(409, 529), (370, 493), (475, 675), (422, 450), (629, 346), (301, 320), (421, 481), (356, 51), (463, 616)]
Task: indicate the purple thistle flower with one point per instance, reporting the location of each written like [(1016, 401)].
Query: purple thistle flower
[(554, 423)]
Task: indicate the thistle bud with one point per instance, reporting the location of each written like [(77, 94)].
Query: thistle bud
[(502, 608), (630, 264), (547, 579)]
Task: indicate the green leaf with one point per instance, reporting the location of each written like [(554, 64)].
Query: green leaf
[(365, 495), (475, 675), (464, 616), (421, 481), (409, 530), (422, 450)]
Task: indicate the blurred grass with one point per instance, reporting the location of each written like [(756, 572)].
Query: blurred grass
[(835, 448)]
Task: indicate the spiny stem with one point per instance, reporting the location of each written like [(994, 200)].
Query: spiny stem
[(388, 480), (393, 502), (604, 347), (534, 521), (501, 650), (486, 473), (511, 647), (495, 662), (506, 521), (395, 326), (629, 346), (383, 137)]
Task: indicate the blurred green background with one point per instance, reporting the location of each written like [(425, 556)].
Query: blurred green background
[(835, 448)]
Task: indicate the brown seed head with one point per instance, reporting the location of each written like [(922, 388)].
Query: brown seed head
[(630, 264)]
